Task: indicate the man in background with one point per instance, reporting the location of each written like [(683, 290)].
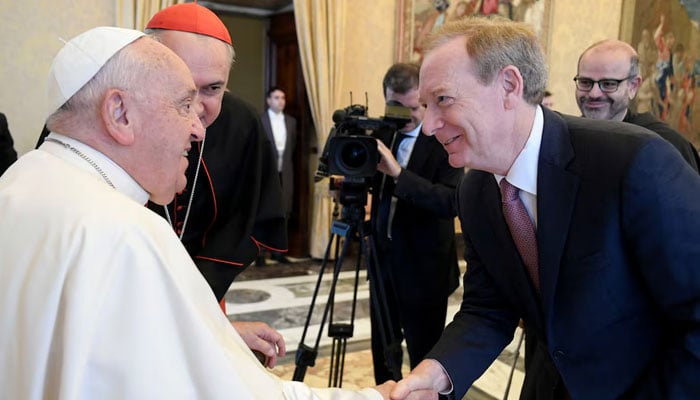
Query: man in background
[(8, 155), (548, 99), (281, 130), (414, 231), (607, 82), (584, 229), (98, 297)]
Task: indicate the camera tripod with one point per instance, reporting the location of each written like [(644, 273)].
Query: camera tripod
[(353, 228)]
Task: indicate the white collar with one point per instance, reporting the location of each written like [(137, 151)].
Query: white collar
[(523, 172), (274, 114), (121, 180), (415, 131)]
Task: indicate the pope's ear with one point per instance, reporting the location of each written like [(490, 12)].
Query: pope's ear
[(116, 117)]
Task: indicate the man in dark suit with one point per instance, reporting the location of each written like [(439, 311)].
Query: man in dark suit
[(281, 130), (415, 232), (593, 242), (8, 155), (607, 81)]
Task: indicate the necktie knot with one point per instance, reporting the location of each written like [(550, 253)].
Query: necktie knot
[(508, 191)]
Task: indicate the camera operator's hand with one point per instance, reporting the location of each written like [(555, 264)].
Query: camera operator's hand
[(387, 164)]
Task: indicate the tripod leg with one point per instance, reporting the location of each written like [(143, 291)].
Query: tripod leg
[(335, 378), (515, 362), (306, 356), (393, 351)]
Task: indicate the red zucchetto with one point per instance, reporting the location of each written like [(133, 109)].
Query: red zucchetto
[(190, 17)]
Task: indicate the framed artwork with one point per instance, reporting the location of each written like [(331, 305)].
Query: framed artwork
[(666, 36), (417, 18)]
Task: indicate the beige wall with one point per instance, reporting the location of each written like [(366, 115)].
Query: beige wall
[(30, 32), (247, 77), (368, 52)]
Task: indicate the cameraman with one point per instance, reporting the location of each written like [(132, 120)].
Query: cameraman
[(414, 230)]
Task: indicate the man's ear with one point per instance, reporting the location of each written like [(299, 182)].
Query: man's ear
[(634, 84), (511, 82), (116, 117)]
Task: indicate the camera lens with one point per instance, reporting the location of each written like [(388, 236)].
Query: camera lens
[(354, 155)]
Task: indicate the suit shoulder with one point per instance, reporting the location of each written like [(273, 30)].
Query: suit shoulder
[(473, 181), (661, 128), (232, 105), (237, 123), (601, 132)]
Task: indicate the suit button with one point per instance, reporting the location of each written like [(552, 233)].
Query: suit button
[(558, 355)]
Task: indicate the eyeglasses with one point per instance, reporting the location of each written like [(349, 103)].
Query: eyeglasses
[(605, 85)]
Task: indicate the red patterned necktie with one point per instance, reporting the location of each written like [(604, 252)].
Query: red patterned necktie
[(521, 229)]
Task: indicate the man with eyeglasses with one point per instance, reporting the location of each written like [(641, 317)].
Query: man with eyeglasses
[(606, 83)]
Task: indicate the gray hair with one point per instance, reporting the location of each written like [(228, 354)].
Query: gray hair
[(495, 43), (155, 34), (118, 72)]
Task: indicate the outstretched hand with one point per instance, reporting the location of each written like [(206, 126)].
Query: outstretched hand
[(423, 383), (386, 388), (261, 337)]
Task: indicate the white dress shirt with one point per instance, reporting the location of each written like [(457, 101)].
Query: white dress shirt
[(279, 132), (523, 172)]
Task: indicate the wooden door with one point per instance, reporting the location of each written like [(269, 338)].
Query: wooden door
[(284, 70)]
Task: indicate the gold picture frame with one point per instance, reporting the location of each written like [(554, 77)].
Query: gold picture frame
[(416, 17)]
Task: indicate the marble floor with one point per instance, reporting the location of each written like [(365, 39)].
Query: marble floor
[(281, 295)]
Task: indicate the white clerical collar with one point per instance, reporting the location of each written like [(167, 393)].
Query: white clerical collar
[(62, 146), (523, 172)]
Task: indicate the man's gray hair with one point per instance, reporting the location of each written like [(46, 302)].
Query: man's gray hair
[(495, 43), (155, 34)]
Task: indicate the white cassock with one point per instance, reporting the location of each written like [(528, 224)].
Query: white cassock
[(99, 300)]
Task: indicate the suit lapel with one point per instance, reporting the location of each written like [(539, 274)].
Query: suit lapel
[(556, 194), (267, 124), (290, 134), (420, 153)]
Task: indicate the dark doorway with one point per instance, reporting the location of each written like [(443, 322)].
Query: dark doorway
[(283, 69)]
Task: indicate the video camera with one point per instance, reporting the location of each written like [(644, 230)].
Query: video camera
[(351, 148)]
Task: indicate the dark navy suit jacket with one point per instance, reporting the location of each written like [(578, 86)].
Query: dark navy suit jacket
[(424, 257), (618, 232)]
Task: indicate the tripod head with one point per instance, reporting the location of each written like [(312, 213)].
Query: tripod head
[(353, 196)]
